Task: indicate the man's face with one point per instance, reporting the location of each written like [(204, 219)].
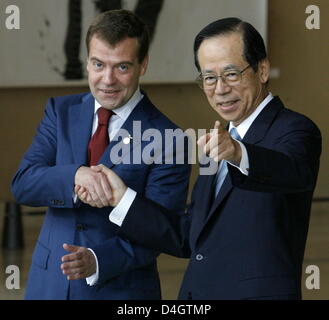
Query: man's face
[(113, 72), (232, 103)]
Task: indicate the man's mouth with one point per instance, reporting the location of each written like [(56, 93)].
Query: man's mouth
[(109, 91), (227, 103)]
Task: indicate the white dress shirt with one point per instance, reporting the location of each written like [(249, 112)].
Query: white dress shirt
[(119, 213), (120, 115), (242, 129)]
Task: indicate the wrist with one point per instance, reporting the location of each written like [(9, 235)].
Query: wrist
[(236, 160), (78, 174), (120, 195)]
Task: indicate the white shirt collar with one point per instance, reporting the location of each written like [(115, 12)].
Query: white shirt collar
[(124, 111), (243, 127)]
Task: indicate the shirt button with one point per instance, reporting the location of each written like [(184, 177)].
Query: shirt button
[(199, 257), (80, 227)]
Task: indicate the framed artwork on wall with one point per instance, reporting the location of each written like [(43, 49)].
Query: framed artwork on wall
[(48, 48)]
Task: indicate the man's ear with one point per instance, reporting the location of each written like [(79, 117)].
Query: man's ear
[(87, 64), (144, 65), (264, 70)]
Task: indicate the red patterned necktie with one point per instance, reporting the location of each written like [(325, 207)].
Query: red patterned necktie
[(100, 139)]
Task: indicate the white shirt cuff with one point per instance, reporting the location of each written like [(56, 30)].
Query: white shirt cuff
[(75, 198), (244, 163), (92, 280), (119, 213)]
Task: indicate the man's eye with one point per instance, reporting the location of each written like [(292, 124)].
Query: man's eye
[(232, 75), (209, 79), (98, 65), (123, 67)]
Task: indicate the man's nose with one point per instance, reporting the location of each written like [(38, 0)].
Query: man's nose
[(109, 77), (222, 87)]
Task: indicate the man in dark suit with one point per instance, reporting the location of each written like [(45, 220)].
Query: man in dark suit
[(78, 132), (246, 228)]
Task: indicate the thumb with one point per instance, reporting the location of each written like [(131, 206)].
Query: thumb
[(70, 247), (96, 168), (114, 180), (108, 172), (206, 137), (217, 128), (202, 141)]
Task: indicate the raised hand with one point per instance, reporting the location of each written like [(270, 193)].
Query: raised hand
[(79, 264), (219, 145)]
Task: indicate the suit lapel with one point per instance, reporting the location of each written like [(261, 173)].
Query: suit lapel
[(209, 203), (263, 121), (203, 200), (207, 195), (256, 133), (81, 120), (223, 192)]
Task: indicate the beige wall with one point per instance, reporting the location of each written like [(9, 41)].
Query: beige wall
[(300, 54)]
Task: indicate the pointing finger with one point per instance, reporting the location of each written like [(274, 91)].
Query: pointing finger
[(217, 125), (203, 140), (218, 128)]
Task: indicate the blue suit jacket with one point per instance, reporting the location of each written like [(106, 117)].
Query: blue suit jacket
[(46, 178), (249, 242)]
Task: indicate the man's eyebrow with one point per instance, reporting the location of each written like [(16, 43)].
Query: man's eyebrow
[(124, 62), (207, 71), (228, 67), (95, 59)]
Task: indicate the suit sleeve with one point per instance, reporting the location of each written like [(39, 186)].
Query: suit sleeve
[(39, 181), (290, 165), (156, 227), (166, 188)]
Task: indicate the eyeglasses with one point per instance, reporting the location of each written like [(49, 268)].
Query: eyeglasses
[(230, 77)]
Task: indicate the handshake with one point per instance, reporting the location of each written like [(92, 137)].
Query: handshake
[(98, 186)]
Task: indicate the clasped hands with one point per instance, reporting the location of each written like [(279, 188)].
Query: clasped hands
[(99, 186)]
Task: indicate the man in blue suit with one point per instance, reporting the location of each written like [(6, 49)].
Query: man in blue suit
[(246, 228), (78, 132)]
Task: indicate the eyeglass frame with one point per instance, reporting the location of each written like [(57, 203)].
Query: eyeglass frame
[(200, 79)]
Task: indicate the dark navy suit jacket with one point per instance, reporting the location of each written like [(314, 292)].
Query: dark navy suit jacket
[(46, 178), (249, 242)]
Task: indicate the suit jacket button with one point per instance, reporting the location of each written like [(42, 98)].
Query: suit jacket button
[(199, 257), (80, 227)]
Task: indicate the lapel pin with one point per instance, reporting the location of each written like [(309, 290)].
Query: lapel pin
[(126, 140)]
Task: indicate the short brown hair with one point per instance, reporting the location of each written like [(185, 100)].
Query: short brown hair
[(116, 25)]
